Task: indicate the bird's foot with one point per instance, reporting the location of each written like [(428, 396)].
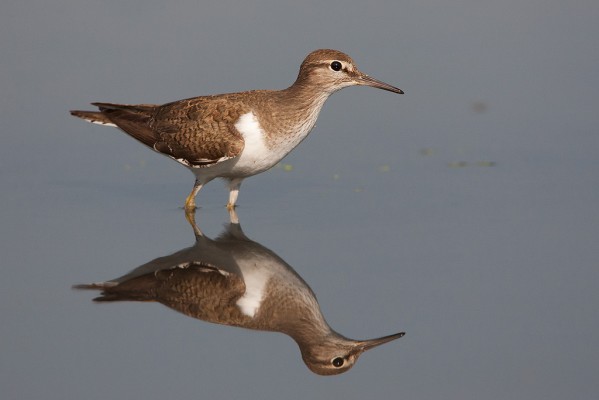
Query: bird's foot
[(233, 215), (190, 207), (190, 216), (190, 203)]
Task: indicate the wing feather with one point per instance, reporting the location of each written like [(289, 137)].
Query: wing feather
[(197, 132)]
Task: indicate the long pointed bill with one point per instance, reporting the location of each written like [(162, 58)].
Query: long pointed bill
[(370, 81), (369, 344)]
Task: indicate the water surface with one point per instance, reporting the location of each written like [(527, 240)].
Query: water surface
[(464, 212)]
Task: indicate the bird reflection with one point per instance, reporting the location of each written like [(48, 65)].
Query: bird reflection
[(232, 280)]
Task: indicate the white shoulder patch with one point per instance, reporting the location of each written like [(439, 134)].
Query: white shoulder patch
[(252, 133), (255, 283), (256, 156)]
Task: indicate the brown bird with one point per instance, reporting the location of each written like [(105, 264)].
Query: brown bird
[(235, 281), (236, 135)]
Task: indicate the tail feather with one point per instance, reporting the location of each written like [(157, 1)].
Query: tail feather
[(137, 108), (95, 117), (133, 119), (139, 289)]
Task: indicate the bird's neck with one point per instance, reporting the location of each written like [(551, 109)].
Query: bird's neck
[(308, 326), (306, 94), (292, 114)]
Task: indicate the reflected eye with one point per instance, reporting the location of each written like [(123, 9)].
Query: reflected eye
[(336, 66), (338, 362)]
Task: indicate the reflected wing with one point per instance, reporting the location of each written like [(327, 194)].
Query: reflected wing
[(196, 289)]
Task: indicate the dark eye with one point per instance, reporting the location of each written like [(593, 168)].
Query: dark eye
[(336, 66), (338, 361)]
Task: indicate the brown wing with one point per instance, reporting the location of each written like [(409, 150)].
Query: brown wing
[(200, 130), (202, 292), (196, 132), (196, 290)]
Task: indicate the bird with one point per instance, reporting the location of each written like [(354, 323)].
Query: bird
[(232, 280), (236, 135)]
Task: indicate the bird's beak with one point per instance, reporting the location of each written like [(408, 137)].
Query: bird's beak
[(366, 80), (369, 344)]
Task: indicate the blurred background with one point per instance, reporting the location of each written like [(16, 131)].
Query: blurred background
[(464, 212)]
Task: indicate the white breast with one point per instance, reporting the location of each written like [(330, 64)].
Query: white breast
[(256, 156), (255, 282)]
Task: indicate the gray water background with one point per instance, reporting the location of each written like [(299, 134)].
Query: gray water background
[(465, 212)]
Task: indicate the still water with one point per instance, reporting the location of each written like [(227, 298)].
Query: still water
[(491, 287), (232, 280), (464, 212)]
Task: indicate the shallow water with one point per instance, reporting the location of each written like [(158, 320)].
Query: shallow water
[(464, 213)]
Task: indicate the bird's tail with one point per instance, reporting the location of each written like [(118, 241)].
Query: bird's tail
[(95, 117), (136, 111), (140, 290), (134, 119)]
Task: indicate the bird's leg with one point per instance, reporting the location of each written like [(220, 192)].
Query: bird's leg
[(190, 216), (233, 216), (233, 192), (190, 202)]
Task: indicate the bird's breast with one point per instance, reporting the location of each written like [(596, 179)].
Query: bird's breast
[(263, 150), (256, 280)]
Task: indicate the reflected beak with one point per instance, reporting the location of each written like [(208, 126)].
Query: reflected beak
[(369, 344), (366, 80)]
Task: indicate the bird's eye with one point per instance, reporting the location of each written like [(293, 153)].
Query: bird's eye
[(336, 66), (338, 362)]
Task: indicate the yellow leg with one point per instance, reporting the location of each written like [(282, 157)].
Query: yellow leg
[(190, 202), (190, 216)]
